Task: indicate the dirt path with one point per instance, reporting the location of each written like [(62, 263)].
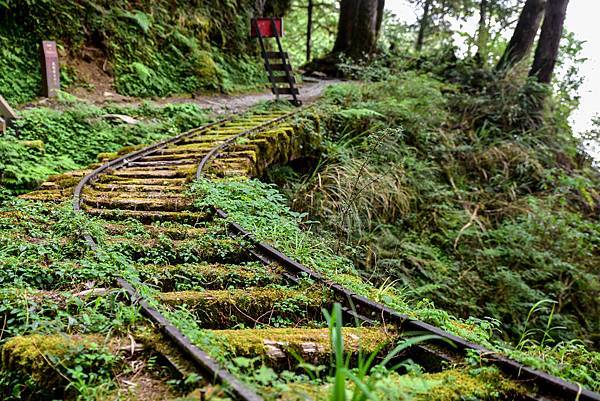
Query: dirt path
[(221, 104), (218, 103)]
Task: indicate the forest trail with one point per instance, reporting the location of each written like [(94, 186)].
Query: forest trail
[(218, 103)]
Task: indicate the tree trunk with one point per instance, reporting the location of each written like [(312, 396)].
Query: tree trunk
[(380, 14), (259, 7), (423, 25), (482, 32), (346, 23), (546, 52), (364, 35), (359, 26), (522, 40), (309, 24)]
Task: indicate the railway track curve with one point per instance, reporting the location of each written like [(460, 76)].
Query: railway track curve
[(149, 185)]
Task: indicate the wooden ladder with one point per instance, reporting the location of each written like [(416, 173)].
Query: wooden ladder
[(278, 67)]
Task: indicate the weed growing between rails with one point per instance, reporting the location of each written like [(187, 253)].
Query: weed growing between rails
[(67, 333), (55, 334)]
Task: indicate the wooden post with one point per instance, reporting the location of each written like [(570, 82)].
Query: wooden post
[(7, 114), (50, 69)]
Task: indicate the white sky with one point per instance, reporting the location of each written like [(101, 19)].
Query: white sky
[(582, 20)]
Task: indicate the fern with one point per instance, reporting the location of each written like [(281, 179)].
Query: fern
[(143, 72), (143, 20)]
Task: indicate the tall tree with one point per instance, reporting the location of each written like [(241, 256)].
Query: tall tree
[(358, 27), (436, 15), (524, 35), (380, 15), (482, 31), (366, 29), (423, 24), (348, 17), (546, 52)]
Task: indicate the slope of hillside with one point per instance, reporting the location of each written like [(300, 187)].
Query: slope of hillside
[(469, 199), (148, 48)]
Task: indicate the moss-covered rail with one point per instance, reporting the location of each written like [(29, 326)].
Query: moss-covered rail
[(251, 300)]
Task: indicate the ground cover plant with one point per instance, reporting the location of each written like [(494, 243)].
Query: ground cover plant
[(261, 209), (465, 208), (43, 274), (68, 332), (61, 269), (149, 49), (46, 141)]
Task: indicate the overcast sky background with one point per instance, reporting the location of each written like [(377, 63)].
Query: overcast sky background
[(582, 20)]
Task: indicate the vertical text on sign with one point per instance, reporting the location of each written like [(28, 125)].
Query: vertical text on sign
[(50, 69)]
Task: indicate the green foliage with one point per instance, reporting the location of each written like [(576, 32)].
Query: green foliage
[(46, 141), (261, 209), (53, 331), (363, 386), (458, 195), (20, 73), (155, 48), (325, 19), (69, 367)]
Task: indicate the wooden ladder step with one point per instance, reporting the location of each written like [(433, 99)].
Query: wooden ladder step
[(287, 91), (276, 55), (284, 79), (280, 67)]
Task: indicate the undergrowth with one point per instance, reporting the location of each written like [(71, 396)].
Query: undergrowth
[(46, 141), (55, 335), (150, 48), (484, 222), (262, 210)]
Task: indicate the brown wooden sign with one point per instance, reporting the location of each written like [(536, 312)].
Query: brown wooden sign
[(50, 69)]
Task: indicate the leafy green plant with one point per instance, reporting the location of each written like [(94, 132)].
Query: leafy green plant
[(364, 385)]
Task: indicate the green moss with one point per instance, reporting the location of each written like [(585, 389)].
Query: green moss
[(163, 250), (313, 345), (454, 384), (35, 145), (107, 156), (252, 306), (208, 276), (45, 358)]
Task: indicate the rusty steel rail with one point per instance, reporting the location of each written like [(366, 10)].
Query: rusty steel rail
[(212, 370), (207, 365), (546, 386)]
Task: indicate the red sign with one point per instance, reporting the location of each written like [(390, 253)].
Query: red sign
[(265, 26), (50, 69)]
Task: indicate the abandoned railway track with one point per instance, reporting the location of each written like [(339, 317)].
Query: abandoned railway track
[(149, 185)]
